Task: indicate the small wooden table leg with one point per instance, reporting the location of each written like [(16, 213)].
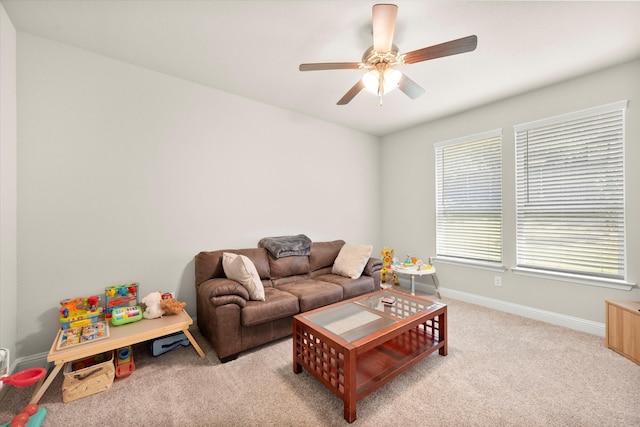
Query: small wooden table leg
[(193, 342), (43, 386)]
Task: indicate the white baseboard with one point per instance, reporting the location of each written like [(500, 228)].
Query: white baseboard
[(571, 322)]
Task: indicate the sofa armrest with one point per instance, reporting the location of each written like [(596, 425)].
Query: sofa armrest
[(222, 291), (373, 266), (228, 299)]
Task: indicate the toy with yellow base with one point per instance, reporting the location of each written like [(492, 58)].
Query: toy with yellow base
[(77, 312)]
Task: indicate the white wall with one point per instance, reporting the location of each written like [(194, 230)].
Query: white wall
[(8, 185), (125, 174), (409, 204)]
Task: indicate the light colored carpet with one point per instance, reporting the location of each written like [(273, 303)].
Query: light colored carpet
[(502, 370)]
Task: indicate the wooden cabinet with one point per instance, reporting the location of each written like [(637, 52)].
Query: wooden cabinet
[(623, 328)]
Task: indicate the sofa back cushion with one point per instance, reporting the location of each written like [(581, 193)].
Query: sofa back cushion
[(295, 265), (323, 254), (209, 264)]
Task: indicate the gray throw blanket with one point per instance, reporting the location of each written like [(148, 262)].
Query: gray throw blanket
[(283, 246)]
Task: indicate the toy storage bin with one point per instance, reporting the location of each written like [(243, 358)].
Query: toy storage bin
[(87, 376)]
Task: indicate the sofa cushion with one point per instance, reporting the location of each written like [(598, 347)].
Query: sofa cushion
[(241, 269), (313, 293), (350, 287), (289, 279), (209, 264), (351, 260), (288, 266), (277, 305), (323, 254)]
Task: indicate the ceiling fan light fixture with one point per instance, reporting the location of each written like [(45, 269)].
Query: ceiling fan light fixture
[(390, 80)]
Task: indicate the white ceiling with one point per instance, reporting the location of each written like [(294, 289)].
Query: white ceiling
[(253, 48)]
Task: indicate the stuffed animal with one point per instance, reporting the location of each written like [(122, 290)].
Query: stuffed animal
[(387, 259), (172, 306), (152, 308)]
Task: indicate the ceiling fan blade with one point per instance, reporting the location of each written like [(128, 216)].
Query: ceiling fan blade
[(409, 87), (384, 25), (330, 66), (453, 47), (351, 93)]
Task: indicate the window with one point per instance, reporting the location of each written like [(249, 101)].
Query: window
[(469, 198), (570, 193)]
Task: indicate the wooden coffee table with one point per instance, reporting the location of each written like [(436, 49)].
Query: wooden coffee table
[(355, 346)]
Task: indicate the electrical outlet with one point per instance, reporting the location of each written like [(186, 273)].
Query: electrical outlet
[(497, 280)]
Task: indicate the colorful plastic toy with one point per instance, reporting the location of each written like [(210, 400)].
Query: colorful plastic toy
[(32, 415), (124, 362), (125, 295), (76, 312), (123, 315)]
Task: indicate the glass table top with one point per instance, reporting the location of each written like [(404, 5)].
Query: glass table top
[(369, 314)]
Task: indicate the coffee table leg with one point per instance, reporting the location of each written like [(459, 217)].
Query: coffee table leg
[(350, 411), (442, 319), (297, 367), (349, 397), (413, 285)]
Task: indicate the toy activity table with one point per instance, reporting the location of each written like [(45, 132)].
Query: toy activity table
[(413, 272), (120, 336)]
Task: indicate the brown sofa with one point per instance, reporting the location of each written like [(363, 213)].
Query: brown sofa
[(293, 284)]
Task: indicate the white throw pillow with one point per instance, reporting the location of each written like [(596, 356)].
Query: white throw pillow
[(241, 269), (351, 260)]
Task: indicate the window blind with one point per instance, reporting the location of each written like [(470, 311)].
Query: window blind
[(469, 197), (570, 193)]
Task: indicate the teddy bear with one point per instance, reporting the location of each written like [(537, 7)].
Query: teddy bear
[(172, 306), (152, 307)]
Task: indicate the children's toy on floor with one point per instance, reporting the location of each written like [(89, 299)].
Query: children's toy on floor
[(77, 312), (162, 345), (124, 315), (32, 415), (124, 362), (24, 378), (387, 259)]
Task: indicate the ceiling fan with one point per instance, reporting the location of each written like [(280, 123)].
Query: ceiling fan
[(381, 58)]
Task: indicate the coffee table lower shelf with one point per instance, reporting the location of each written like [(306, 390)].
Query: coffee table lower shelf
[(381, 364), (354, 370)]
